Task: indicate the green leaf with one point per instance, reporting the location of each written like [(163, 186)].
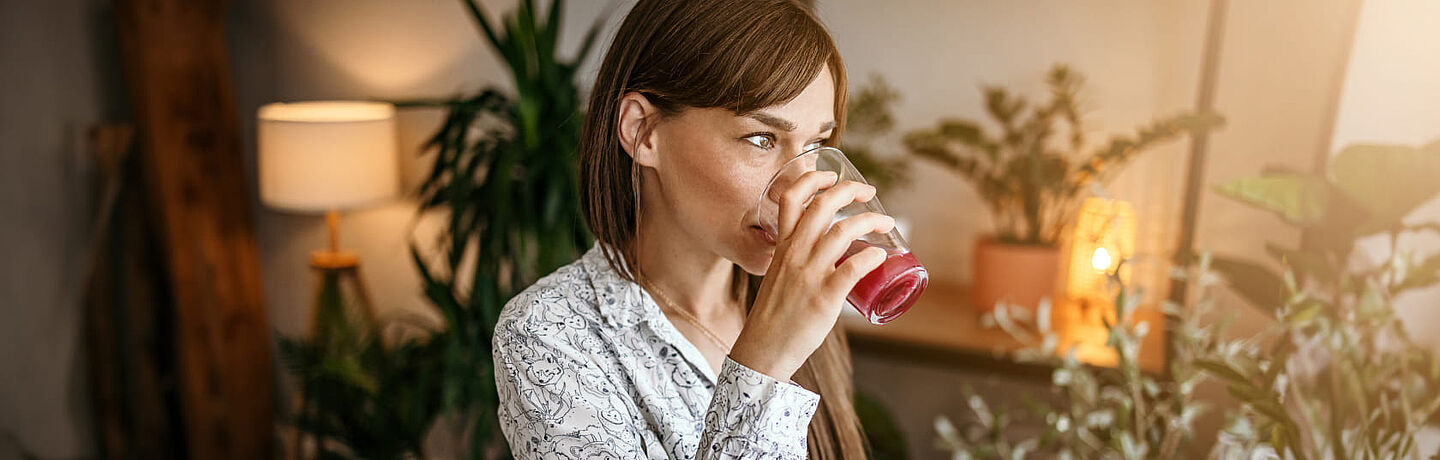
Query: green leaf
[(1262, 401), (963, 131), (1277, 437), (349, 371), (1388, 180), (1222, 370), (931, 145), (883, 173), (1305, 314), (1301, 200), (478, 14), (1259, 285), (869, 113), (1372, 305), (1421, 275), (1309, 264)]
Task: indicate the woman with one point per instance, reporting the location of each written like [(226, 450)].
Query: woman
[(662, 342)]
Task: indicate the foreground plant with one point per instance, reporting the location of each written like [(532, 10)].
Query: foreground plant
[(1103, 412), (1336, 374), (1344, 379)]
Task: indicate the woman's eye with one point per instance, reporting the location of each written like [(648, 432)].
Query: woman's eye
[(762, 141)]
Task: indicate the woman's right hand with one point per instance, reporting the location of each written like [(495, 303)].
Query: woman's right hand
[(804, 289)]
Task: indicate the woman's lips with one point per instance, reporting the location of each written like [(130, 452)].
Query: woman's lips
[(764, 235)]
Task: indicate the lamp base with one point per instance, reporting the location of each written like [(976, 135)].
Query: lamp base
[(329, 259)]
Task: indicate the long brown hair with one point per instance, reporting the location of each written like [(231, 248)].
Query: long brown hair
[(741, 55)]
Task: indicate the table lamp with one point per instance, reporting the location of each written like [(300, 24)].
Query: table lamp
[(324, 157), (1104, 236)]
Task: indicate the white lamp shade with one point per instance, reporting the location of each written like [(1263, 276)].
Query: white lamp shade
[(318, 156)]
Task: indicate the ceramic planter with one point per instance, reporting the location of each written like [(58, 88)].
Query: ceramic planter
[(1020, 275)]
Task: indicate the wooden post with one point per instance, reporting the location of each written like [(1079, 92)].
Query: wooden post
[(1195, 169), (177, 66)]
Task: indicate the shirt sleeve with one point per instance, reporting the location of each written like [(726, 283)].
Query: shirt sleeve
[(755, 416)]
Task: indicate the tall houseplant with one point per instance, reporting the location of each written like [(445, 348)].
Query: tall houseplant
[(1033, 174), (505, 174), (505, 178)]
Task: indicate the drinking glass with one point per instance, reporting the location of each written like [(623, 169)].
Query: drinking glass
[(886, 292)]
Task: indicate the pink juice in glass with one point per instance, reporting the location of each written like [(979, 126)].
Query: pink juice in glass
[(888, 291)]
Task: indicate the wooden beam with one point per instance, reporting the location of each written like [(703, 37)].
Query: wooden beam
[(126, 344), (177, 66)]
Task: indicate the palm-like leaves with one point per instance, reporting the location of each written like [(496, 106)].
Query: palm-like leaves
[(360, 398), (513, 200), (372, 402)]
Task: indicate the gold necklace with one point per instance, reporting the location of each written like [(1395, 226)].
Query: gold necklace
[(688, 317)]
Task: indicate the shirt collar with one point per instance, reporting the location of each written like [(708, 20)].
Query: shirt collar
[(623, 304), (620, 301)]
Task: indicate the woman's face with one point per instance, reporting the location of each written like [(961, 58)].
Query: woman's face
[(714, 164)]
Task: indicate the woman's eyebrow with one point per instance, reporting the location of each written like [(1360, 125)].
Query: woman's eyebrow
[(781, 123), (772, 121)]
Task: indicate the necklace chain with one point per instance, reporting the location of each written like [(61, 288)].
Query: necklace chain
[(672, 306)]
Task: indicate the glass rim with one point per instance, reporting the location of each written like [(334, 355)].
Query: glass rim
[(766, 191)]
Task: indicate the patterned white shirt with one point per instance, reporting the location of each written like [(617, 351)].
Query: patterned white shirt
[(587, 366)]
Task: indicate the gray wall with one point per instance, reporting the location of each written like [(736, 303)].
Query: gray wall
[(58, 76)]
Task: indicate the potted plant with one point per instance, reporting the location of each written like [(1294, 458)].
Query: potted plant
[(1032, 174)]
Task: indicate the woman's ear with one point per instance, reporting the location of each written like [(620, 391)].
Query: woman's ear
[(637, 128)]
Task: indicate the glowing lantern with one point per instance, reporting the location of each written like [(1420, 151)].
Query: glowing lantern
[(1104, 236)]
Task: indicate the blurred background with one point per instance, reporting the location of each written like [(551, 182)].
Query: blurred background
[(162, 295)]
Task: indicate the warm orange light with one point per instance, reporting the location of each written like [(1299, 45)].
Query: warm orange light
[(1101, 260), (1104, 236)]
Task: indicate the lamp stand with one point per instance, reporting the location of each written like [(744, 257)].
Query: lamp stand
[(335, 268), (342, 313)]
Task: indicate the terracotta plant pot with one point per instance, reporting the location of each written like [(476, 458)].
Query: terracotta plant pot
[(1016, 274)]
